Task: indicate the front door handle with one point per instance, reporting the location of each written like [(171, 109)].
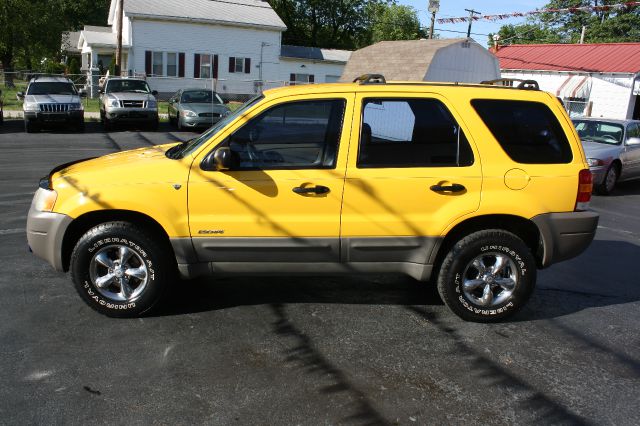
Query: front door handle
[(317, 190), (456, 187)]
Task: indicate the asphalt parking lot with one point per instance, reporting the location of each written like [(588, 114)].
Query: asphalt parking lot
[(291, 350)]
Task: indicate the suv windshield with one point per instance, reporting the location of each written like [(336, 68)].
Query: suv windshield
[(134, 86), (52, 88), (599, 131), (200, 97), (186, 148)]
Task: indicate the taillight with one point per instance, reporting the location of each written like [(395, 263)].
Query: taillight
[(585, 187)]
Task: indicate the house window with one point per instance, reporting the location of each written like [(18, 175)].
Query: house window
[(172, 64), (301, 79), (239, 65), (158, 65), (205, 66)]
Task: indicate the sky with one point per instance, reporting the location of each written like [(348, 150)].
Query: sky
[(456, 8)]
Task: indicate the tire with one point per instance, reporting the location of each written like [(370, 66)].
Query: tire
[(492, 296), (30, 127), (130, 288), (609, 181), (80, 126), (154, 125), (180, 126)]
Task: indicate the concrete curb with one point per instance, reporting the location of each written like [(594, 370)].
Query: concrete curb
[(90, 115)]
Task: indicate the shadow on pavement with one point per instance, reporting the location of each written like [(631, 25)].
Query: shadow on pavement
[(14, 125), (561, 290)]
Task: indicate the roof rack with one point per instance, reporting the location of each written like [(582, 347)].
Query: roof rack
[(370, 79), (511, 82)]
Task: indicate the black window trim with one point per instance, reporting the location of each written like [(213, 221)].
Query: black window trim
[(404, 165), (225, 142)]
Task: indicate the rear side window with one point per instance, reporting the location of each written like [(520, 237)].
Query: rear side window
[(411, 133), (527, 131)]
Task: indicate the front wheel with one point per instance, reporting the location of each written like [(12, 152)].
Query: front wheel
[(487, 276), (120, 270), (609, 182)]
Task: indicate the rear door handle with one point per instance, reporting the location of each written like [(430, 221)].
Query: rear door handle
[(456, 187), (317, 190)]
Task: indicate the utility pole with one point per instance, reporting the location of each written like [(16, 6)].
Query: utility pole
[(434, 6), (471, 13), (119, 47)]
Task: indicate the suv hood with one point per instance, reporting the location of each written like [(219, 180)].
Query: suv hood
[(131, 96), (139, 166), (53, 99)]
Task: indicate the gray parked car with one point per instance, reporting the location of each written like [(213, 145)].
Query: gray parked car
[(51, 101), (191, 108), (612, 148), (128, 100)]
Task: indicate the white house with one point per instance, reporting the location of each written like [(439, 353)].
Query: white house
[(598, 80), (461, 60), (232, 45)]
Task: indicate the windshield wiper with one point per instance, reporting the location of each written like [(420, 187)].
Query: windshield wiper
[(175, 152)]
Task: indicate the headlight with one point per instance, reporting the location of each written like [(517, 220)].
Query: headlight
[(45, 200), (152, 104), (187, 113), (31, 106), (594, 162), (75, 107), (114, 103)]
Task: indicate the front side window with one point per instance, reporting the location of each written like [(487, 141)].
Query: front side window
[(528, 132), (296, 135), (633, 131), (411, 133), (158, 64)]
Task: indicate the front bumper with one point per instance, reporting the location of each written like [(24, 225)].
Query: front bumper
[(45, 233), (199, 121), (132, 114), (565, 235), (598, 173), (54, 117)]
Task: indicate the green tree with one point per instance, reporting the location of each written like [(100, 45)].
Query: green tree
[(614, 25), (395, 22)]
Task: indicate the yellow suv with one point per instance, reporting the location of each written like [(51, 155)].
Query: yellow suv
[(475, 186)]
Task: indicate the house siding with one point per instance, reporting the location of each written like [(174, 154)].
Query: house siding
[(221, 40), (320, 70), (610, 93)]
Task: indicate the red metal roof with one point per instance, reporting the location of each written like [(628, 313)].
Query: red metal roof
[(596, 57)]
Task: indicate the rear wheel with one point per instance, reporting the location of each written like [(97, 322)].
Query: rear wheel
[(610, 180), (487, 276), (120, 270)]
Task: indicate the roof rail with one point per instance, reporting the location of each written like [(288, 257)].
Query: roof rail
[(511, 82), (370, 79)]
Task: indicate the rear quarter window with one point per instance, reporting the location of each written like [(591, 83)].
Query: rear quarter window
[(528, 132)]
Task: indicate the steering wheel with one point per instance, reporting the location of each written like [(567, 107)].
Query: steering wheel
[(610, 137), (254, 155)]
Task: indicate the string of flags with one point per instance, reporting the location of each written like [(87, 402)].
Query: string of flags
[(501, 16)]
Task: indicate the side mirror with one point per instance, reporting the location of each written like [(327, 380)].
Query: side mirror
[(155, 93), (101, 91), (218, 160), (633, 141), (20, 95)]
